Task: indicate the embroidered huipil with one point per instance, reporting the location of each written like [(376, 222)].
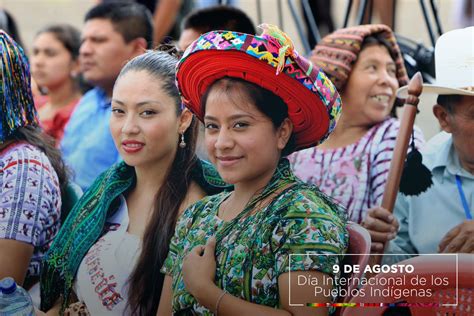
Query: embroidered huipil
[(253, 250), (354, 175), (82, 235), (30, 200)]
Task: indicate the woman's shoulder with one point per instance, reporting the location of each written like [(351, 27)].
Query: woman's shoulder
[(387, 131), (20, 147), (201, 209), (307, 200), (310, 211), (388, 127), (195, 194), (24, 153), (109, 185), (208, 201)]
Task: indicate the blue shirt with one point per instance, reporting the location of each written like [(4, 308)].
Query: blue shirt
[(425, 219), (87, 146)]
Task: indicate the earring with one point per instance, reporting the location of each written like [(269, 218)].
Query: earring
[(182, 143)]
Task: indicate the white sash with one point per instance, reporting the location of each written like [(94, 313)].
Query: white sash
[(101, 281)]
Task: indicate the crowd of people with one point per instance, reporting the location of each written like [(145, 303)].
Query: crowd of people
[(205, 164)]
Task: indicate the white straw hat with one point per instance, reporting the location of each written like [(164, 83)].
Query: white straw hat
[(454, 63)]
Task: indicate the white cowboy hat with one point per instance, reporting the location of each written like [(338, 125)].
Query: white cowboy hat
[(454, 64)]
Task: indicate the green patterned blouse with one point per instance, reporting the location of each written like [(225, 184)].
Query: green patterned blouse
[(253, 249)]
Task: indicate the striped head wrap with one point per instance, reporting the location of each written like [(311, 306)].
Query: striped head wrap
[(16, 104), (338, 52)]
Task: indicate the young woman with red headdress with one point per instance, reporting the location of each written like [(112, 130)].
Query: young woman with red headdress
[(232, 253)]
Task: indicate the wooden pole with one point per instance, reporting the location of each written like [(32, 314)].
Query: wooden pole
[(407, 121), (401, 144)]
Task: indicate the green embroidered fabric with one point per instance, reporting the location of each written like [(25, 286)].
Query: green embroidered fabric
[(253, 249), (85, 225)]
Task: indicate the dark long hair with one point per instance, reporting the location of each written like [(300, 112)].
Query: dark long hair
[(34, 136), (146, 280)]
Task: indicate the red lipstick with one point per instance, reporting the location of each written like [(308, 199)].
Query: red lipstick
[(132, 146)]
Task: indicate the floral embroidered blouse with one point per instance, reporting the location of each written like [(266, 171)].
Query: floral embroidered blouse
[(254, 248)]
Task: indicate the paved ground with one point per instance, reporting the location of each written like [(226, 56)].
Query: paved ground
[(34, 14)]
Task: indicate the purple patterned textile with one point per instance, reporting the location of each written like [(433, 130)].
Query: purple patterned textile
[(30, 199), (354, 175)]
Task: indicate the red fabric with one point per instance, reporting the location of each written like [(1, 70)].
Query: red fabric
[(55, 126), (306, 111)]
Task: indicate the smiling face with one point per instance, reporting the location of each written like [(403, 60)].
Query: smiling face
[(369, 94), (51, 63), (144, 124), (241, 141)]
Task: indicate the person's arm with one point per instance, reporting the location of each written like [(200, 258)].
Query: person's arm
[(303, 293), (55, 310), (399, 247), (198, 273), (164, 17), (230, 305), (15, 258), (460, 239), (165, 306)]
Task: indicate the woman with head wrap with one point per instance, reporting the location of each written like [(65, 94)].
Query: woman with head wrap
[(31, 171), (365, 64), (232, 253)]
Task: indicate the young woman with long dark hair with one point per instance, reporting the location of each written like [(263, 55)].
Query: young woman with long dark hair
[(118, 233)]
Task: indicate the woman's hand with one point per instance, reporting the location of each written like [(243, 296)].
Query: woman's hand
[(382, 226), (199, 267)]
